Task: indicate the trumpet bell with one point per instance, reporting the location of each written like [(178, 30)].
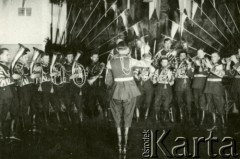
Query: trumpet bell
[(81, 74), (36, 54), (225, 60), (59, 69), (21, 51), (59, 79)]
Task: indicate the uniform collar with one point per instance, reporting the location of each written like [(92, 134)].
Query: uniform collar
[(45, 65), (3, 63), (94, 63), (69, 63)]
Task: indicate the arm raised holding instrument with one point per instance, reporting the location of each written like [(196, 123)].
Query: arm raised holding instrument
[(215, 68)]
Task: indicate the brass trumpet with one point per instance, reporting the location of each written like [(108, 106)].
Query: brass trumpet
[(18, 67), (33, 68), (228, 59), (58, 68), (36, 54), (79, 71)]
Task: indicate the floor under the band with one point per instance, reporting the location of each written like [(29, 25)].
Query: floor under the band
[(97, 139)]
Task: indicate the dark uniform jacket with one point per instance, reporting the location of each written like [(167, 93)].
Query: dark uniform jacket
[(6, 82), (161, 53), (68, 72), (235, 74), (214, 83), (183, 77), (161, 77), (25, 74), (45, 79), (96, 69), (200, 77)]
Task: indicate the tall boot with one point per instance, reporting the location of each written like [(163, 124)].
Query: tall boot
[(137, 114), (198, 114), (80, 117), (181, 115), (190, 120), (146, 114), (203, 117), (119, 133), (171, 117), (105, 114), (22, 123), (13, 135), (109, 114), (165, 116), (27, 122), (46, 119), (223, 121), (125, 141), (34, 124), (58, 119), (214, 127), (69, 117), (156, 116), (1, 133)]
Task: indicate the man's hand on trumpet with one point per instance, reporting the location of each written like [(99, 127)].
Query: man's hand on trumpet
[(75, 76), (16, 76), (234, 59), (35, 75), (54, 74), (208, 63)]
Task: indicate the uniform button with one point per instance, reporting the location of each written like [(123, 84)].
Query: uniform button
[(4, 89)]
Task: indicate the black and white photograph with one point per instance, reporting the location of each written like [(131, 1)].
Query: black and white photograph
[(119, 79)]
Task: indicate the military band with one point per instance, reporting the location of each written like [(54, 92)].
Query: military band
[(53, 83)]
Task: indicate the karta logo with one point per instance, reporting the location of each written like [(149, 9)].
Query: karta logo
[(154, 143)]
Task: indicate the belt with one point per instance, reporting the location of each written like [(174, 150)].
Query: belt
[(214, 79), (123, 79), (200, 75), (163, 82), (182, 77), (237, 77)]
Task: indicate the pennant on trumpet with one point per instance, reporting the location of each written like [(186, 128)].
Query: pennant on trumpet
[(154, 5), (136, 29), (194, 9), (185, 5), (174, 29), (125, 20), (202, 1), (183, 17)]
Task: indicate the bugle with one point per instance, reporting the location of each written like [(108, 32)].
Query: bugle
[(15, 66), (79, 71), (58, 69)]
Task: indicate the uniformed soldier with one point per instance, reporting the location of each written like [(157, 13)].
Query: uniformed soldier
[(46, 89), (96, 92), (36, 103), (214, 89), (234, 72), (143, 77), (119, 78), (165, 52), (8, 109), (73, 94), (164, 78), (199, 81), (25, 92), (183, 76)]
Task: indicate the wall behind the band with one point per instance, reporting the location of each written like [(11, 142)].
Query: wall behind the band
[(28, 30)]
